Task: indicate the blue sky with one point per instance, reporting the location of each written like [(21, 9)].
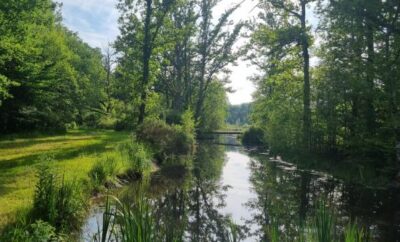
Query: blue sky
[(96, 23)]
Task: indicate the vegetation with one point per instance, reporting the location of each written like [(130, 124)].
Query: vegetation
[(72, 155), (239, 114), (326, 87), (253, 137), (322, 228), (45, 68), (342, 103)]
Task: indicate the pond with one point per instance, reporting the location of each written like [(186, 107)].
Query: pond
[(228, 184)]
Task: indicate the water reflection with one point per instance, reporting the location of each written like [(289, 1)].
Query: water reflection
[(227, 185)]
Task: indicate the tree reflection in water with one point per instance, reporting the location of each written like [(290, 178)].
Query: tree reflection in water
[(287, 196), (187, 204), (191, 205)]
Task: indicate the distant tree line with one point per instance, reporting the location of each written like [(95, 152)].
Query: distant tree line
[(239, 114), (165, 61), (348, 101)]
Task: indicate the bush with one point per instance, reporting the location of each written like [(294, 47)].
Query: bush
[(253, 136), (166, 140), (59, 204), (124, 124), (106, 123), (38, 231)]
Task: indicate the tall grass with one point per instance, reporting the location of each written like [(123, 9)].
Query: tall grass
[(59, 203), (324, 223), (136, 156), (104, 169), (354, 233), (126, 223)]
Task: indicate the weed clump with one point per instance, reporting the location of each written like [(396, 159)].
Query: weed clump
[(136, 156), (59, 203), (25, 232), (104, 170)]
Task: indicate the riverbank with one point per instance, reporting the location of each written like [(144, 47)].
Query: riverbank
[(72, 154)]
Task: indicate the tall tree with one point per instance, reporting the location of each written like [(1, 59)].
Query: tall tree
[(295, 13), (215, 48), (143, 21)]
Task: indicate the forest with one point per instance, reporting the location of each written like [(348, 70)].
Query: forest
[(84, 127)]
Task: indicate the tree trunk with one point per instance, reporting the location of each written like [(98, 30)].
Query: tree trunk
[(203, 52), (369, 107), (306, 88), (146, 61)]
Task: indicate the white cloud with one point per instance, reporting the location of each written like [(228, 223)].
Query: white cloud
[(94, 20)]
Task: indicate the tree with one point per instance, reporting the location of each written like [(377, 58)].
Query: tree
[(295, 30), (214, 48), (142, 21)]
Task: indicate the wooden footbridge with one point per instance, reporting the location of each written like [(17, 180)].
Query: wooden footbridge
[(228, 137), (223, 132)]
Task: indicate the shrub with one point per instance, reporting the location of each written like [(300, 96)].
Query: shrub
[(59, 204), (106, 123), (166, 140), (173, 117), (188, 123), (253, 136), (38, 231)]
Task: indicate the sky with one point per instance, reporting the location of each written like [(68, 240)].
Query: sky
[(97, 24)]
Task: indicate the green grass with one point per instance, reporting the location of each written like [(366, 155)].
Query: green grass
[(74, 154)]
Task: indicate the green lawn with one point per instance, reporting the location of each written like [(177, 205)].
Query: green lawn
[(74, 154)]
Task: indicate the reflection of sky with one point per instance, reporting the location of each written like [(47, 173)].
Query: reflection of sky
[(236, 174), (97, 23)]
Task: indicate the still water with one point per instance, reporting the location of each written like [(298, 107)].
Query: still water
[(230, 185)]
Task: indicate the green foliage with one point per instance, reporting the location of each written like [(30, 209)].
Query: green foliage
[(60, 204), (188, 123), (353, 233), (104, 169), (128, 223), (35, 232), (166, 140), (253, 136), (324, 224), (215, 108), (239, 114), (136, 155), (353, 97)]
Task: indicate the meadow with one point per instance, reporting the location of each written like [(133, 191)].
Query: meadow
[(72, 155)]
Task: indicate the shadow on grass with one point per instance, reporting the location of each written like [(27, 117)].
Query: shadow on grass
[(28, 143), (8, 173)]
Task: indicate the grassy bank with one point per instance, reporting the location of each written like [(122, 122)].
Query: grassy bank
[(72, 154)]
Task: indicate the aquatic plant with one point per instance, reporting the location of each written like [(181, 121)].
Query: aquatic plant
[(353, 233), (126, 223), (324, 223)]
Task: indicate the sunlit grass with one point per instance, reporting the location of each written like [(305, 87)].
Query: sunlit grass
[(74, 155)]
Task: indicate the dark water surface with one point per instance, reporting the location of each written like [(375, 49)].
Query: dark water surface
[(228, 185)]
